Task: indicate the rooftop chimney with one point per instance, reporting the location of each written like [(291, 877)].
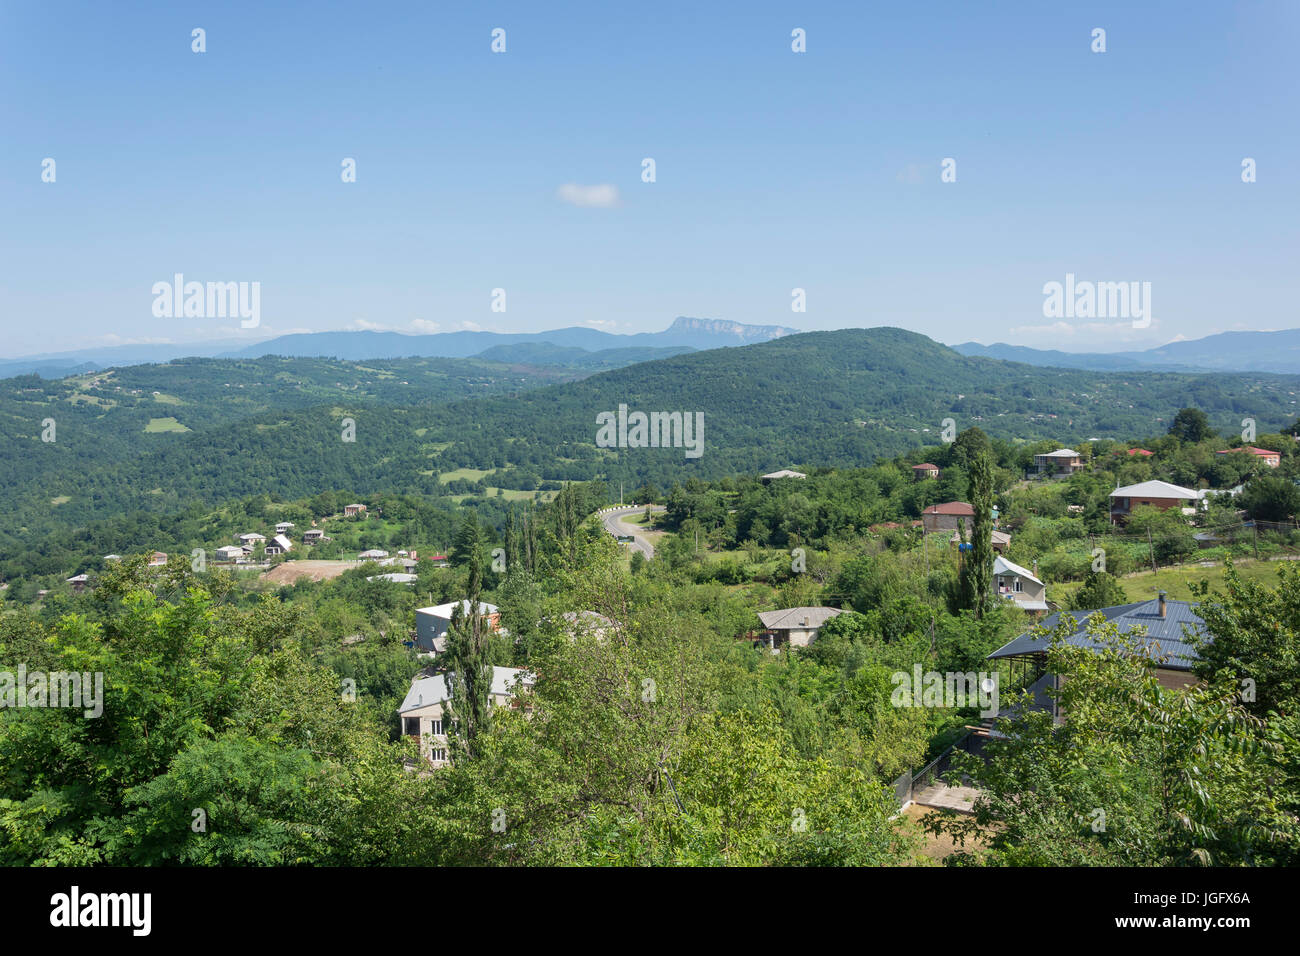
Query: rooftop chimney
[(1164, 608)]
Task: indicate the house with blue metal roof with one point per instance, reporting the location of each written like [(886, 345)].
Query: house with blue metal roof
[(1164, 627)]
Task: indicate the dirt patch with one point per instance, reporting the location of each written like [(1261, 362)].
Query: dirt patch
[(291, 571), (936, 847)]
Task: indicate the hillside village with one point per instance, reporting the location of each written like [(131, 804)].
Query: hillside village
[(955, 560)]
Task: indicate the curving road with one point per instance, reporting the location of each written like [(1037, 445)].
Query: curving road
[(615, 525)]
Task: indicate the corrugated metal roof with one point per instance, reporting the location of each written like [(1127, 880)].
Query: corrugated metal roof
[(433, 690), (1154, 489), (1002, 566), (1164, 636), (796, 617)]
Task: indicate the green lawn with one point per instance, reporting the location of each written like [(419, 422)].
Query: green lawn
[(164, 425)]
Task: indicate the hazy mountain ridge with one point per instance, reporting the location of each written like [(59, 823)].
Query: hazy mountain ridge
[(360, 346), (1277, 352)]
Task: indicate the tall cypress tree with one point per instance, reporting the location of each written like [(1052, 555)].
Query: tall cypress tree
[(470, 674), (977, 570)]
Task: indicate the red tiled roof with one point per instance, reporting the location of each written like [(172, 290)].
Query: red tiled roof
[(1250, 450), (951, 508)]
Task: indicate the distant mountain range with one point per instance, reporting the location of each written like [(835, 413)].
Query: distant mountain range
[(1226, 352), (685, 334), (581, 347)]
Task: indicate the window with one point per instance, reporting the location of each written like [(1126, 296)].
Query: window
[(438, 753), (411, 726), (437, 726), (1019, 585)]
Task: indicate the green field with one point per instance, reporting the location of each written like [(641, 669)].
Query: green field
[(469, 474), (1176, 582), (165, 425)]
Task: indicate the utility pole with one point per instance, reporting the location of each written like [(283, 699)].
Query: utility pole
[(1151, 546)]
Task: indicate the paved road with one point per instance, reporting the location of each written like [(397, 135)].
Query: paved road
[(615, 525)]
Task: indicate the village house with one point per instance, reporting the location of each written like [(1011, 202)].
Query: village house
[(279, 545), (157, 559), (313, 535), (588, 624), (252, 538), (783, 473), (796, 626), (397, 577), (432, 623), (924, 470), (1271, 458), (231, 552), (1001, 540), (1154, 494), (439, 560), (1165, 642), (78, 582), (949, 516), (1013, 583), (283, 526), (374, 554), (353, 510), (1065, 461), (424, 712)]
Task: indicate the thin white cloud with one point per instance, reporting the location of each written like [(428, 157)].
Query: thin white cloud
[(603, 196), (909, 174), (601, 323), (424, 326), (471, 327), (114, 339)]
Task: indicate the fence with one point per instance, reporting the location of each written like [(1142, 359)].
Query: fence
[(909, 784)]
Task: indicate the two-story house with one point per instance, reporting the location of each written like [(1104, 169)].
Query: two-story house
[(948, 516), (1013, 583), (424, 711), (1064, 461), (432, 623)]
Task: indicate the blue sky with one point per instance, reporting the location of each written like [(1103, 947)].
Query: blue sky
[(775, 170)]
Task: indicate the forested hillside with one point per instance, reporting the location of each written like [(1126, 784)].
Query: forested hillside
[(219, 431)]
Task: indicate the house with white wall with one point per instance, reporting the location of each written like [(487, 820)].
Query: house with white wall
[(432, 623), (424, 712)]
